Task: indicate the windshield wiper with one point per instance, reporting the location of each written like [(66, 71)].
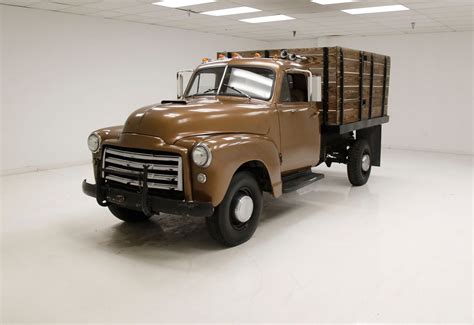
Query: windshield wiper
[(238, 90), (205, 92)]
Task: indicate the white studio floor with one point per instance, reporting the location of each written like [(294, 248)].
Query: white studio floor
[(398, 249)]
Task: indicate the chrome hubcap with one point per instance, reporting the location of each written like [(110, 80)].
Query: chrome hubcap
[(244, 208), (365, 162)]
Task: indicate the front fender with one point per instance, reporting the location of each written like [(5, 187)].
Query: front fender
[(229, 152), (109, 133)]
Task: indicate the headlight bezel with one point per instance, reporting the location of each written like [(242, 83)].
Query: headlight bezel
[(208, 152), (99, 142)]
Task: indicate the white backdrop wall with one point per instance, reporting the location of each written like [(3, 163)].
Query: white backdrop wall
[(66, 75), (431, 89)]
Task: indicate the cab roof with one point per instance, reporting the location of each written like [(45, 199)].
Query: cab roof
[(274, 64)]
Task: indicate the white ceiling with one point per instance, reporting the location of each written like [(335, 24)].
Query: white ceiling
[(311, 20)]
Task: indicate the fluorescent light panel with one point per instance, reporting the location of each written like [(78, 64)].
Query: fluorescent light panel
[(373, 10), (230, 11), (181, 3), (266, 19), (331, 2)]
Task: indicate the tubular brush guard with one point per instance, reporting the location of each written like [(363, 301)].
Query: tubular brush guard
[(142, 200)]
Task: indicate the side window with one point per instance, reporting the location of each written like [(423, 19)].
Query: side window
[(207, 81), (294, 88), (204, 81), (299, 88), (285, 96)]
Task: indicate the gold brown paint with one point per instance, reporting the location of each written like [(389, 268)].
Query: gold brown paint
[(236, 129)]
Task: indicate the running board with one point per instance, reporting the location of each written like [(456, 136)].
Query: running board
[(298, 180)]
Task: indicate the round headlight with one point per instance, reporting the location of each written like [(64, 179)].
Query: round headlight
[(93, 142), (202, 155)]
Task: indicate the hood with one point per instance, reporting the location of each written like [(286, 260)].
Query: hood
[(200, 116)]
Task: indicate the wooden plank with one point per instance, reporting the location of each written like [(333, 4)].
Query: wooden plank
[(350, 116), (353, 66), (351, 54)]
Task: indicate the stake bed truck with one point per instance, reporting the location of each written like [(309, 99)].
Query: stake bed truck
[(247, 123)]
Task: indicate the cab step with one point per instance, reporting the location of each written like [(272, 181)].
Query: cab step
[(298, 180)]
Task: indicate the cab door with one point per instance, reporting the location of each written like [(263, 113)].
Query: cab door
[(300, 136)]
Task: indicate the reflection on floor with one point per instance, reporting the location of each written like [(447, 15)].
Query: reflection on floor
[(397, 249)]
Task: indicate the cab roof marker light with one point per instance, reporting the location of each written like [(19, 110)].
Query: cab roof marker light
[(373, 10), (230, 11), (181, 3), (266, 19)]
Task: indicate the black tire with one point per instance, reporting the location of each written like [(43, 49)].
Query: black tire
[(127, 215), (223, 225), (358, 172)]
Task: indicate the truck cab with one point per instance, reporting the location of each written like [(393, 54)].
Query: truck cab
[(242, 126)]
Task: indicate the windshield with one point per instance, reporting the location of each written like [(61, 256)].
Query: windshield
[(248, 82)]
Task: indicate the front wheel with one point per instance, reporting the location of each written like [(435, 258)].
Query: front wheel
[(127, 215), (360, 163), (235, 220)]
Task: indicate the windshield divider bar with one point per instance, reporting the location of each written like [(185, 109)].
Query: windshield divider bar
[(222, 80)]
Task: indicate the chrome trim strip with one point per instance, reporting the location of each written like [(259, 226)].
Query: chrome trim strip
[(162, 177), (136, 183), (133, 164), (180, 175), (145, 156)]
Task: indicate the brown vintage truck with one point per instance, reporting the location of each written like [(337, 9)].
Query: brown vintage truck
[(247, 123)]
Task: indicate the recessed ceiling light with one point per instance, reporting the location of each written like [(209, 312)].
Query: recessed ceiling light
[(181, 3), (331, 2), (266, 19), (230, 11), (372, 10)]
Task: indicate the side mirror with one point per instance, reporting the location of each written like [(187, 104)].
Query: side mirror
[(316, 92), (180, 82)]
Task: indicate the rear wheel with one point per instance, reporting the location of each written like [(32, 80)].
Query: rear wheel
[(235, 220), (359, 164), (127, 215)]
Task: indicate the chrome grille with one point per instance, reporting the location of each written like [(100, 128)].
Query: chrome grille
[(126, 167)]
